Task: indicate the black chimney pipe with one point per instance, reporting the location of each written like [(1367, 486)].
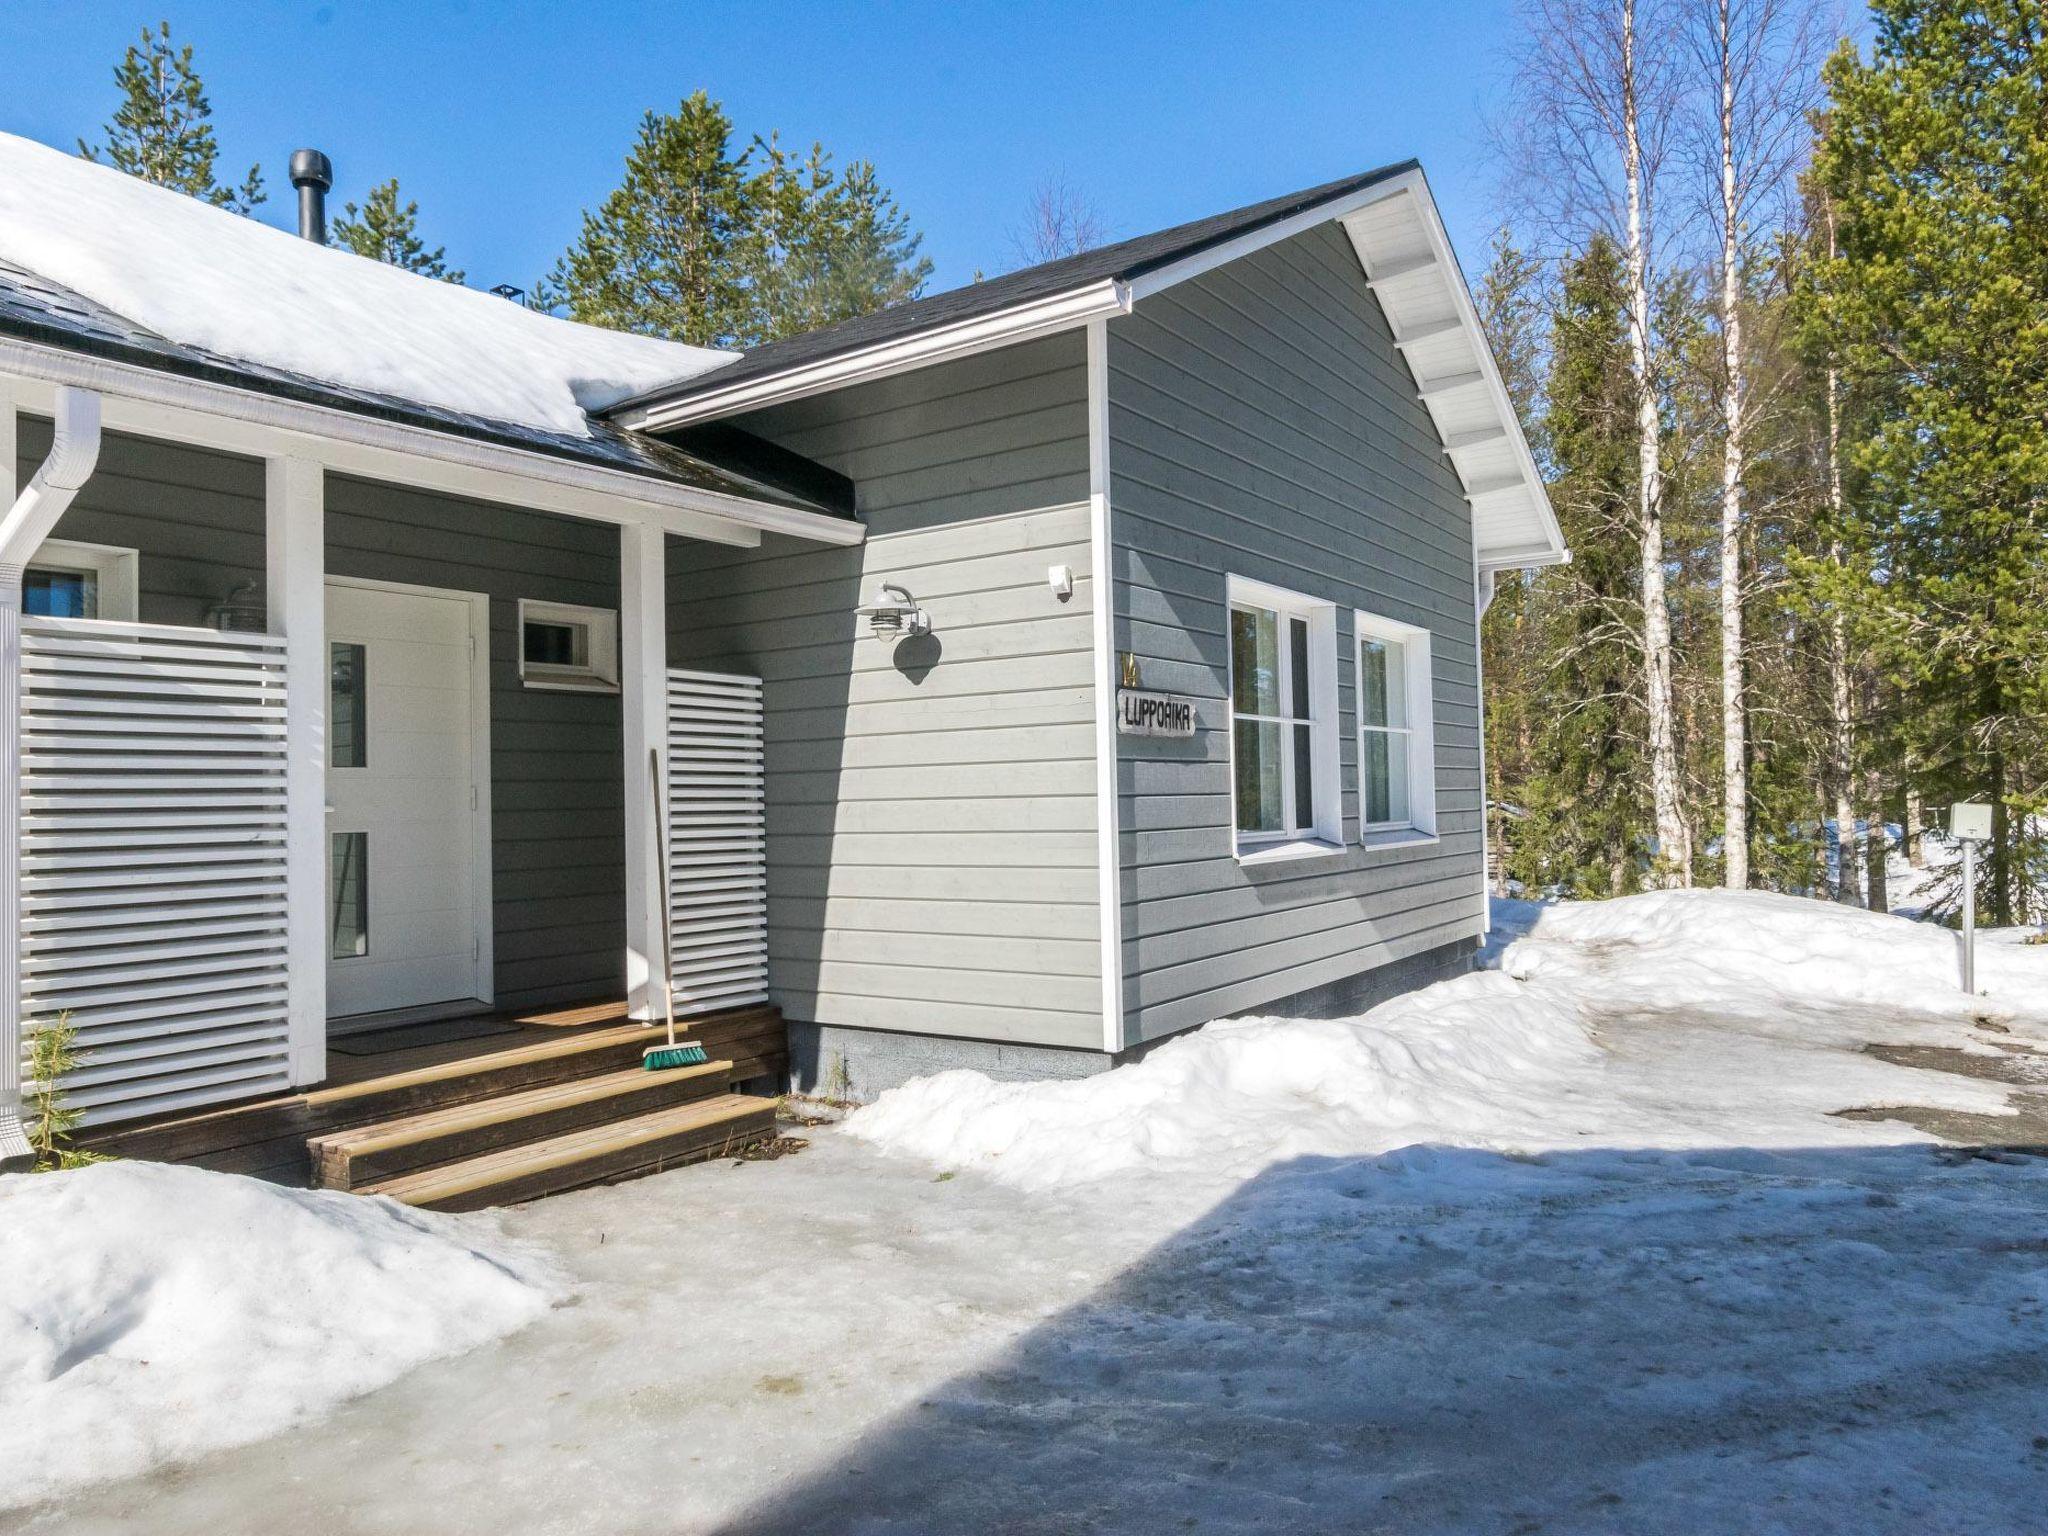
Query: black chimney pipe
[(313, 175)]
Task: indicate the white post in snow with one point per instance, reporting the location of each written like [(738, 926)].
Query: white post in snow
[(643, 710), (74, 451), (1969, 823), (295, 590), (1970, 917)]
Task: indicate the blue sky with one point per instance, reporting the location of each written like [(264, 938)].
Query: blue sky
[(506, 120)]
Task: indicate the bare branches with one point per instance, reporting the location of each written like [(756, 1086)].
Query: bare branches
[(1059, 220)]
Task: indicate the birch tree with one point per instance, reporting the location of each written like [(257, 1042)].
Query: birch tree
[(1596, 106), (1760, 60)]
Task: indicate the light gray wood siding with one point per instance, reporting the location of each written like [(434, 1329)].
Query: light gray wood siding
[(931, 815), (557, 828), (1263, 424)]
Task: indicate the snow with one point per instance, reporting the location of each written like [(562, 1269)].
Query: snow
[(208, 278), (1612, 1263), (1673, 1019), (149, 1312)]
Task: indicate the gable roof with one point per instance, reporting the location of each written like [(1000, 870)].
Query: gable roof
[(1406, 256), (1119, 263)]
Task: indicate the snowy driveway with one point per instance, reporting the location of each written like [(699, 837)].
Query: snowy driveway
[(1738, 1329)]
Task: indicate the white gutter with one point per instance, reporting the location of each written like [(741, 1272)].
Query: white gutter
[(74, 451), (177, 392), (1024, 322)]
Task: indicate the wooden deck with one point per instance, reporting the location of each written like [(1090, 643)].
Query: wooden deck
[(373, 1075)]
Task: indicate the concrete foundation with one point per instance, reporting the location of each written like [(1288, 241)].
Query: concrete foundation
[(834, 1061)]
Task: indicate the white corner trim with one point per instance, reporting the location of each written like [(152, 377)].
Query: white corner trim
[(1024, 322), (1109, 894), (151, 402)]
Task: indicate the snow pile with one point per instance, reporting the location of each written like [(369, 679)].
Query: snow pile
[(1671, 1020), (1239, 1094), (208, 278), (1750, 950), (149, 1313)]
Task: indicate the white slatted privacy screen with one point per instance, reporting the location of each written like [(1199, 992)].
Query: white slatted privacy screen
[(718, 851), (153, 860)]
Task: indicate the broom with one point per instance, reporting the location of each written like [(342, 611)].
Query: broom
[(687, 1053)]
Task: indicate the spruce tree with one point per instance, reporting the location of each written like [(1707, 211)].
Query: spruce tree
[(383, 230), (1935, 163), (163, 129), (1577, 755)]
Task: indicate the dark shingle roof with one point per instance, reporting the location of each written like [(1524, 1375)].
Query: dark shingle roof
[(1125, 260), (33, 308)]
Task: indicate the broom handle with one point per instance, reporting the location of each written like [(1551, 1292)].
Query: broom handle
[(668, 947)]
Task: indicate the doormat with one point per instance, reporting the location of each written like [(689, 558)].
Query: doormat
[(402, 1037)]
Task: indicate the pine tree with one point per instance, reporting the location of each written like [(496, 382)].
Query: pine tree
[(384, 231), (163, 129), (667, 253), (733, 249), (825, 246), (1935, 162)]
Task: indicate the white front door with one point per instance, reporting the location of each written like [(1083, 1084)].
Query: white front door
[(407, 877)]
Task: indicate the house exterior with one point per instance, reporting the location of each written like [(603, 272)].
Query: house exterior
[(1031, 672)]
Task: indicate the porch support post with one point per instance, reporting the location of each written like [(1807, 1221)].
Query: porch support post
[(643, 700), (295, 588)]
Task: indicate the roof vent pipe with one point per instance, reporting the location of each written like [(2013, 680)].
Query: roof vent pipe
[(313, 175)]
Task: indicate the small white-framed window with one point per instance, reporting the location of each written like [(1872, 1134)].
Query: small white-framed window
[(1283, 708), (69, 580), (562, 645), (1396, 736)]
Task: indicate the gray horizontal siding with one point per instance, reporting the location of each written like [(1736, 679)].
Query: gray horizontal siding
[(1263, 424), (931, 813)]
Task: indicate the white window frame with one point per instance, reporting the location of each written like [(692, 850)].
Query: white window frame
[(1324, 834), (1419, 697), (601, 625), (115, 572)]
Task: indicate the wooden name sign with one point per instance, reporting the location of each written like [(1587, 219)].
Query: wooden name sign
[(1153, 714)]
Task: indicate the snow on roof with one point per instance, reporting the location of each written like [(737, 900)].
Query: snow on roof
[(208, 278)]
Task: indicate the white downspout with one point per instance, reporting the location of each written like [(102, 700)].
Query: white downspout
[(74, 452)]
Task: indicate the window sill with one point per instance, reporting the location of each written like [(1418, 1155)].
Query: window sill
[(570, 684), (1283, 853), (1398, 837)]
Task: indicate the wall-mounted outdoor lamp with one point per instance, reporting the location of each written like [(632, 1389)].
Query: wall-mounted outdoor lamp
[(892, 615)]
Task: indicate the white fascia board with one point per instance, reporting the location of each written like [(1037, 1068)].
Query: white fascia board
[(1268, 234), (153, 403), (1026, 322), (1413, 184)]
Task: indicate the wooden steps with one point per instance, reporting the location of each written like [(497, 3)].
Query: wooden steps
[(368, 1154), (484, 1122), (666, 1138)]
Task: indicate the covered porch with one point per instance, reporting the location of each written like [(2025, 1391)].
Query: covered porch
[(204, 873)]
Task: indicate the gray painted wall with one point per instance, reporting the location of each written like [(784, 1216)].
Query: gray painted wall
[(931, 814), (1263, 424), (558, 835)]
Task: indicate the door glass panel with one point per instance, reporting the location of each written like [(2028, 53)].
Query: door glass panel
[(348, 713), (1258, 776), (1254, 661), (348, 889)]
